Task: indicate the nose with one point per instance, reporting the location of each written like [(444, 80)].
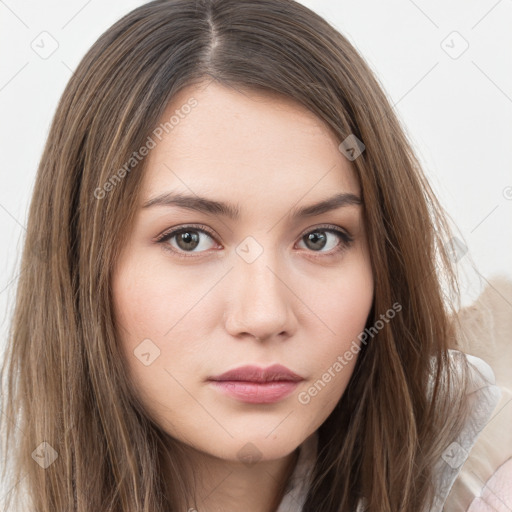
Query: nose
[(259, 301)]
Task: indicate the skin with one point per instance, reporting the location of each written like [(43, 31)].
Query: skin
[(298, 304)]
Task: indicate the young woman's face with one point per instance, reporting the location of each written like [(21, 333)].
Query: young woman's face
[(263, 287)]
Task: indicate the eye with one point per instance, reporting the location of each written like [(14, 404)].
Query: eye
[(185, 239), (327, 236)]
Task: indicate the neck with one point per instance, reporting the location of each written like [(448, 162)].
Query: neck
[(231, 486)]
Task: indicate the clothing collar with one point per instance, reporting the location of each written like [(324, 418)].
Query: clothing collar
[(300, 480), (482, 394)]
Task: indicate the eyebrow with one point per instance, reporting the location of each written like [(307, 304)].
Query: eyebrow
[(210, 206)]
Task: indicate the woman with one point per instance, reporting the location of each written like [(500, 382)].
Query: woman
[(182, 340)]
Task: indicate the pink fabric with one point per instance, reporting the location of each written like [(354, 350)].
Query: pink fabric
[(496, 494)]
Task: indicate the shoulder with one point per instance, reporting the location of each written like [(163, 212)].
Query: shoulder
[(485, 479), (482, 395)]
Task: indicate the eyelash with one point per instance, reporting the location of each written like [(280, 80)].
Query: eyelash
[(345, 237)]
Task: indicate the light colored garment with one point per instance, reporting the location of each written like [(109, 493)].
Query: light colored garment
[(299, 482), (484, 483), (483, 395)]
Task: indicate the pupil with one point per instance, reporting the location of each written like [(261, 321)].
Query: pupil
[(313, 237), (188, 237)]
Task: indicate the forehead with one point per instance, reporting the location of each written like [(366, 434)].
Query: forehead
[(213, 138)]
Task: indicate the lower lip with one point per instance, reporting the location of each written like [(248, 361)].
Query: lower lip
[(256, 392)]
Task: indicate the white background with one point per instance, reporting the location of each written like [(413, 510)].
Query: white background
[(456, 111)]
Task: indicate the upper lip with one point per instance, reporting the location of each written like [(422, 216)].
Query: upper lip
[(250, 373)]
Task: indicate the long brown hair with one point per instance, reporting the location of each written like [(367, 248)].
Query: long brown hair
[(65, 383)]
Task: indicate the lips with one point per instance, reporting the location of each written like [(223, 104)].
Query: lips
[(255, 385), (250, 373)]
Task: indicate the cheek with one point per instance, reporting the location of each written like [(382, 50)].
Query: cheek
[(332, 362), (343, 306), (341, 299), (153, 302), (156, 319)]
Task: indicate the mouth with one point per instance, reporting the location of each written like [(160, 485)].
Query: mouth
[(256, 392), (252, 384)]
